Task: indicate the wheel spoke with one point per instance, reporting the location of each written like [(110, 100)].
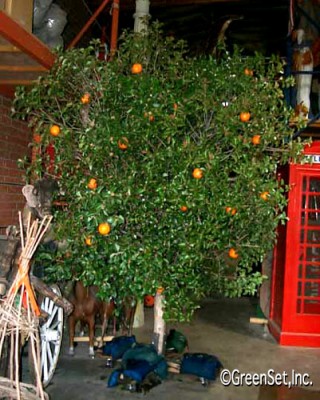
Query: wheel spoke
[(44, 361), (49, 354), (45, 304), (55, 325), (52, 315), (51, 337), (51, 305)]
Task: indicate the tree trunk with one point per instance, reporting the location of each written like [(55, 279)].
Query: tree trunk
[(159, 330), (46, 291)]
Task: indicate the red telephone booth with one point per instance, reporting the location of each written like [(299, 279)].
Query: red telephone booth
[(295, 295)]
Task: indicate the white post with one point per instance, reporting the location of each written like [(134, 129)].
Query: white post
[(159, 329), (141, 15), (139, 315)]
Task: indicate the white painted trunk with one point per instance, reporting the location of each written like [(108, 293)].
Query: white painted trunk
[(141, 16), (159, 324), (304, 86)]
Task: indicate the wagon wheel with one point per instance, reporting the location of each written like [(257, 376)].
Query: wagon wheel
[(51, 337)]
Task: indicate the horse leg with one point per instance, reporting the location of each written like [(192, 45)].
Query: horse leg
[(107, 312), (91, 324), (104, 326), (72, 324)]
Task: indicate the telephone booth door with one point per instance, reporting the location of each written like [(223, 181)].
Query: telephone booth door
[(298, 321)]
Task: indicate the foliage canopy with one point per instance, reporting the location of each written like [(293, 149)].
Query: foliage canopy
[(168, 229)]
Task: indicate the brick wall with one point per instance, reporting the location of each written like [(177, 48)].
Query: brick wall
[(14, 139)]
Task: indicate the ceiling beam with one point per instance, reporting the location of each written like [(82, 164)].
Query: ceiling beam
[(130, 4), (25, 41)]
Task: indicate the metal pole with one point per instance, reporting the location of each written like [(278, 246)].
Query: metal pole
[(114, 26), (88, 24)]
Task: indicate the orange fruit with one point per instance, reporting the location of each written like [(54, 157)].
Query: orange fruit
[(160, 290), (85, 99), (123, 143), (245, 116), (149, 300), (197, 173), (136, 68), (104, 228), (37, 138), (248, 72), (175, 106), (151, 118), (233, 253), (231, 210), (88, 241), (256, 139), (55, 130), (184, 208), (92, 184), (264, 196)]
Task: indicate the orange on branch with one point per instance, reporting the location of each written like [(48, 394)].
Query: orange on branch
[(230, 210), (92, 184), (248, 72), (55, 130), (256, 139), (104, 228), (88, 241), (264, 196), (37, 138), (184, 208), (197, 173), (123, 143), (233, 253), (85, 99), (136, 68), (245, 116)]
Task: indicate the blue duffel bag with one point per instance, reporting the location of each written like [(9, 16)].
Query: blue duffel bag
[(200, 364)]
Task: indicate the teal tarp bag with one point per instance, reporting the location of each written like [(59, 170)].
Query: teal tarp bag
[(176, 341)]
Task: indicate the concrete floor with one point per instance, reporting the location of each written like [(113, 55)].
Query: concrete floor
[(221, 327)]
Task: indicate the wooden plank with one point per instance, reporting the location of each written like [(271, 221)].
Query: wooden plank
[(15, 82), (96, 339), (20, 75), (16, 58), (260, 321), (25, 41), (23, 68)]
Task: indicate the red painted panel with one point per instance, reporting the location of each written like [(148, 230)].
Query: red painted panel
[(295, 308)]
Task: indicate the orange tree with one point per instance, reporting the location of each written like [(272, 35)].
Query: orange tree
[(167, 165)]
